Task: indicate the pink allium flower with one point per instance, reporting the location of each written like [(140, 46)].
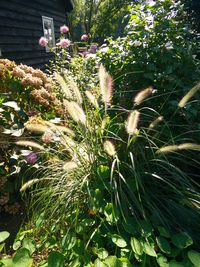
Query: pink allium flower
[(43, 41), (64, 43), (84, 37), (31, 158), (64, 29)]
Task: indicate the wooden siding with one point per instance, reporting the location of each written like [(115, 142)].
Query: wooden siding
[(21, 28)]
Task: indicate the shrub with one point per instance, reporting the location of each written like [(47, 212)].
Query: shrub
[(159, 50)]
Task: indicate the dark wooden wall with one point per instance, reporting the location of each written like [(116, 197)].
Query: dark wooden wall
[(21, 27)]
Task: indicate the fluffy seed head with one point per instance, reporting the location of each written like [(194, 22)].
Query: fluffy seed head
[(29, 184), (154, 123), (92, 99), (106, 85), (189, 95), (142, 95), (109, 148), (29, 144), (76, 112), (61, 81), (132, 122), (70, 165)]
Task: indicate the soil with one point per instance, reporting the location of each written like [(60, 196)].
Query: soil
[(11, 224)]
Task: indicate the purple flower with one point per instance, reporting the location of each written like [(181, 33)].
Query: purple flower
[(64, 43), (31, 158), (93, 49), (64, 29), (84, 37), (43, 41)]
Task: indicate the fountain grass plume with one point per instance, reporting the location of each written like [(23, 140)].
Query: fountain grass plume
[(132, 122), (29, 144), (106, 85), (142, 95), (189, 95)]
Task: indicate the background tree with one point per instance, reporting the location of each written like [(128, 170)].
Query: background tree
[(98, 18)]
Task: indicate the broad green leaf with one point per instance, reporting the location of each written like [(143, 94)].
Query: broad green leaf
[(119, 241), (113, 261), (136, 246), (149, 250), (182, 240), (29, 244), (3, 236), (175, 264), (55, 259), (102, 253), (17, 245), (194, 257), (99, 263), (162, 261), (69, 241), (22, 258), (163, 232), (163, 244)]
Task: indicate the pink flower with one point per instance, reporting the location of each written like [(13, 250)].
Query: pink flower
[(64, 29), (43, 41), (64, 43), (84, 37)]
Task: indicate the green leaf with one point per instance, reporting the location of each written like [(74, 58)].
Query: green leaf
[(1, 247), (162, 261), (119, 241), (69, 241), (149, 250), (3, 236), (194, 257), (55, 259), (163, 232), (113, 261), (99, 263), (182, 240), (175, 264), (102, 253), (29, 244), (103, 172), (17, 245), (21, 259), (163, 244), (136, 246)]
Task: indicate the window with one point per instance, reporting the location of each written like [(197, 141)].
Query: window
[(48, 29)]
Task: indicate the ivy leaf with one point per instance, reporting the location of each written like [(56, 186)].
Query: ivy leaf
[(194, 257), (163, 244), (102, 253), (149, 250), (55, 259), (29, 244), (68, 241), (162, 261), (136, 246), (119, 241), (182, 240), (3, 236)]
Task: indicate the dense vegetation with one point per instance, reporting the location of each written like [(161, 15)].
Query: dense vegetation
[(104, 150)]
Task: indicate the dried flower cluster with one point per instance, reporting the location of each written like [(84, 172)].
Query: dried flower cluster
[(40, 85)]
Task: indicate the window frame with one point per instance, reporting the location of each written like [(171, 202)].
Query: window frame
[(48, 22)]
